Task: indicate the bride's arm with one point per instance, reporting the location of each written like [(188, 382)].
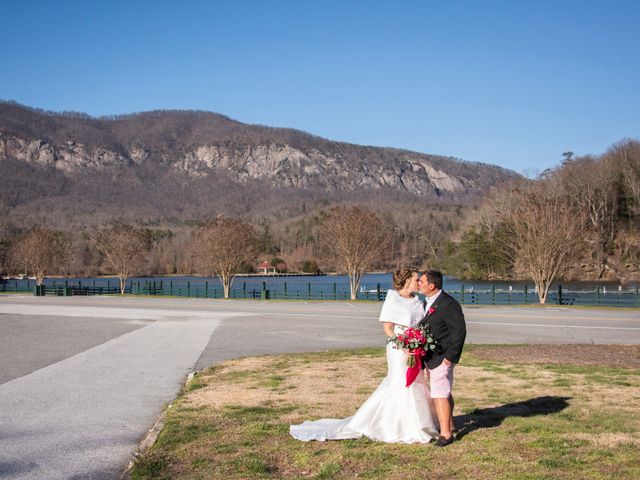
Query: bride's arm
[(388, 329)]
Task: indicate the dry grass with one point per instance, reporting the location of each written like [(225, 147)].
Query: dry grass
[(517, 421), (321, 383)]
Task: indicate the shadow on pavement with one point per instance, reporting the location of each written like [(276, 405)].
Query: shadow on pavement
[(16, 468)]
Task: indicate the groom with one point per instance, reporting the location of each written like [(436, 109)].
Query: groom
[(444, 316)]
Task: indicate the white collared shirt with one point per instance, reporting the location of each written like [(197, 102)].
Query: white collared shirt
[(431, 300)]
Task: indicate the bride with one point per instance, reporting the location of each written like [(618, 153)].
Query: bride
[(393, 413)]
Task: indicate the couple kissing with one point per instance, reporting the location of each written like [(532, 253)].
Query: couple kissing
[(400, 410)]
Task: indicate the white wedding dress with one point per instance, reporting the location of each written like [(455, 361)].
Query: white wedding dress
[(393, 413)]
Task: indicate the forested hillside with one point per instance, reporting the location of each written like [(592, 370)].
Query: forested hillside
[(586, 212), (170, 170)]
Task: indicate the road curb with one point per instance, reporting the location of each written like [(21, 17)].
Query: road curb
[(152, 435)]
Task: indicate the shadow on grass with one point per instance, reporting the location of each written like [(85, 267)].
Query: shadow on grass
[(494, 416)]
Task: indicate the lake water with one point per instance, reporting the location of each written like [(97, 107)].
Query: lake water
[(336, 287), (326, 283)]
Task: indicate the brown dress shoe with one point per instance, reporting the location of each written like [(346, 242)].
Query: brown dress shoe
[(443, 442)]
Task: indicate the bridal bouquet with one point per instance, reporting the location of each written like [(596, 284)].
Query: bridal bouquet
[(415, 342)]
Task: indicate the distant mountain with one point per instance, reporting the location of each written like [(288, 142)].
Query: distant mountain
[(193, 163)]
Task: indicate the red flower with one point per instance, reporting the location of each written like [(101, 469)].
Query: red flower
[(432, 310)]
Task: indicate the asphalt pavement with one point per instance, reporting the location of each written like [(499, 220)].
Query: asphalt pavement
[(82, 379)]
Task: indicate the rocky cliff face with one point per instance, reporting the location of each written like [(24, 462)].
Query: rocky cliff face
[(204, 146), (278, 165), (283, 165), (68, 158)]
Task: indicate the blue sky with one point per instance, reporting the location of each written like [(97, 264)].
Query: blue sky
[(509, 83)]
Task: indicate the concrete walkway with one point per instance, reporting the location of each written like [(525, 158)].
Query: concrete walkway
[(83, 417)]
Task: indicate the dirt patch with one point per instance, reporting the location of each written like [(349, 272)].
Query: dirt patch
[(606, 440), (624, 356)]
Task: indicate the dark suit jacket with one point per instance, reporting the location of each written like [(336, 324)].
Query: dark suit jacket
[(448, 328)]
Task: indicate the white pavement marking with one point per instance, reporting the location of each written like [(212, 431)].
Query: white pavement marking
[(592, 327), (471, 322), (83, 417), (552, 317), (109, 312)]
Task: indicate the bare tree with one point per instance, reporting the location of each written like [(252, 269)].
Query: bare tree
[(124, 248), (544, 231), (592, 185), (223, 245), (492, 222), (354, 240), (39, 251), (4, 233), (626, 155), (4, 217)]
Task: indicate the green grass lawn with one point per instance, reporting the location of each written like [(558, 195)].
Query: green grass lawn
[(517, 420)]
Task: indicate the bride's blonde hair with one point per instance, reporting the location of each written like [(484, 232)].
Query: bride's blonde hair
[(401, 276)]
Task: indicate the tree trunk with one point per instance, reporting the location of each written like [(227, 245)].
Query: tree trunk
[(543, 291), (354, 283), (226, 284), (123, 283), (602, 268)]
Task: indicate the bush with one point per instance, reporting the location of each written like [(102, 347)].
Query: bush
[(310, 266)]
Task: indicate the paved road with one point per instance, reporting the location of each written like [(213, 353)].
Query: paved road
[(82, 379)]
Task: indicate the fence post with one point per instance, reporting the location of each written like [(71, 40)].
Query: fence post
[(597, 295), (462, 296), (244, 289), (493, 294), (285, 291), (189, 288), (171, 287), (559, 294), (206, 288), (526, 295), (335, 291), (309, 291)]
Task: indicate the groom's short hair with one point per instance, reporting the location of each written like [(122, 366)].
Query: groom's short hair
[(434, 277)]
